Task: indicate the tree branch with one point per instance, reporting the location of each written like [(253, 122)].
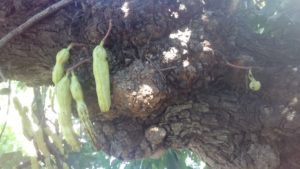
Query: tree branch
[(31, 21)]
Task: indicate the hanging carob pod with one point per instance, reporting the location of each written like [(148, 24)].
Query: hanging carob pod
[(101, 74), (83, 113), (64, 99)]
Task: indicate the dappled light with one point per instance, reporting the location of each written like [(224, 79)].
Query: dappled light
[(125, 9), (182, 36), (141, 84), (144, 94), (185, 63), (289, 112), (175, 14), (170, 55), (260, 3), (182, 7), (295, 69), (291, 115), (145, 90)]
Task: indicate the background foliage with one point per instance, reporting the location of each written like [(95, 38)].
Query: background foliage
[(14, 150)]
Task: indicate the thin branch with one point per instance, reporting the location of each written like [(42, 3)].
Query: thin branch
[(230, 64), (157, 69), (237, 66), (168, 68), (78, 64), (33, 20), (74, 44)]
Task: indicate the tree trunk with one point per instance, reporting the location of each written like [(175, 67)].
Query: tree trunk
[(167, 91)]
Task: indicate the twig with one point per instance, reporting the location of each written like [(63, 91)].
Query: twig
[(232, 65), (78, 64), (107, 33), (238, 66), (34, 19), (168, 68), (74, 44), (157, 69)]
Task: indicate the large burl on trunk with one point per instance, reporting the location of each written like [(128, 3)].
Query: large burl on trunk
[(172, 86)]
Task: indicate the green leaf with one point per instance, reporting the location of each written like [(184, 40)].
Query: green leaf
[(5, 91), (21, 86), (116, 164)]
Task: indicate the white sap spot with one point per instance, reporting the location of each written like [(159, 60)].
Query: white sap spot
[(184, 51), (185, 63), (291, 116), (182, 7), (145, 90), (182, 36), (125, 9), (170, 55), (175, 14), (295, 69), (206, 46)]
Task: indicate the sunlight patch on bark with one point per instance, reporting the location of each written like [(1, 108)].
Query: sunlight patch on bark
[(125, 9), (183, 36), (170, 55)]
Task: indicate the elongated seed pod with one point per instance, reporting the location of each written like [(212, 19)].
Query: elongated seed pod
[(101, 75), (58, 70), (57, 73), (26, 124), (82, 109), (83, 114), (34, 163), (75, 88), (63, 55), (41, 144), (18, 105), (48, 163), (56, 140), (65, 166), (64, 99)]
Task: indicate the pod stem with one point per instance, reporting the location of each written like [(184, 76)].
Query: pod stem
[(107, 33)]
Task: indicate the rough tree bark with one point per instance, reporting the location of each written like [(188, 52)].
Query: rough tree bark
[(168, 93)]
